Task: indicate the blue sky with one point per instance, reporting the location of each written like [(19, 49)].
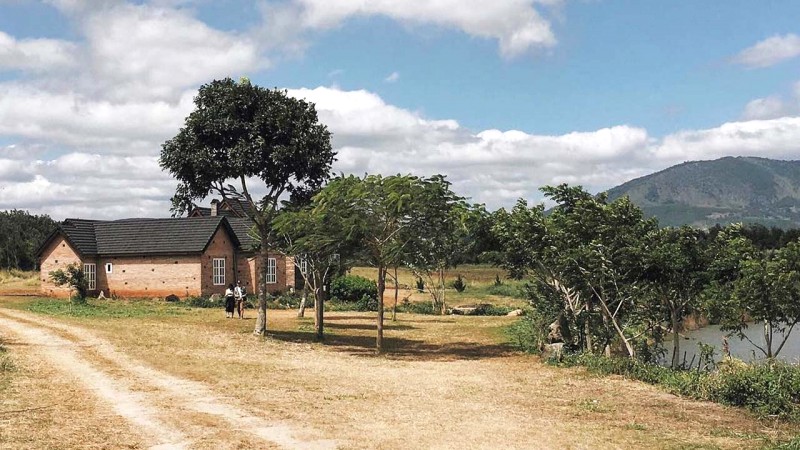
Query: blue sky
[(502, 98)]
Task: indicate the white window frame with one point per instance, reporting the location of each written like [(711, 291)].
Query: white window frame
[(303, 266), (218, 271), (90, 275), (271, 274), (109, 268)]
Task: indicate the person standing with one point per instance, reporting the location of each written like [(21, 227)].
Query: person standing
[(241, 297), (230, 302)]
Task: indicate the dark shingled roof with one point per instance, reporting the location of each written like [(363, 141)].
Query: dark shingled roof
[(143, 236), (241, 227)]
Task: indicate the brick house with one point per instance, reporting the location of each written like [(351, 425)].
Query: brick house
[(199, 255)]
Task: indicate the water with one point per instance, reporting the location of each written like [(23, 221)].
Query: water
[(741, 349)]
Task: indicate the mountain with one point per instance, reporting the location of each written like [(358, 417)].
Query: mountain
[(726, 190)]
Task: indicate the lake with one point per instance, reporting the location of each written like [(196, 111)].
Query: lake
[(741, 349)]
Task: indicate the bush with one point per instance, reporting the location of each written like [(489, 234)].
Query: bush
[(353, 288), (202, 302), (771, 389), (507, 290), (458, 284), (288, 301), (417, 307)]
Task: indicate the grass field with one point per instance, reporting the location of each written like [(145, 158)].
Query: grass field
[(18, 282), (480, 281), (445, 382)]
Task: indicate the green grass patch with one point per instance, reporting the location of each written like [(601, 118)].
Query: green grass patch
[(107, 308), (770, 390)]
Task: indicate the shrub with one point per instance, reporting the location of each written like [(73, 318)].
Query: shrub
[(202, 302), (459, 284), (353, 288), (75, 279), (507, 290), (771, 389), (286, 301), (417, 307)]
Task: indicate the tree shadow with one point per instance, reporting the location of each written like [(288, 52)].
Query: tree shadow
[(397, 348), (351, 326)]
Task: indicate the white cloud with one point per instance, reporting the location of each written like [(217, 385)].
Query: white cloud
[(765, 108), (770, 51), (516, 25), (392, 77), (35, 55)]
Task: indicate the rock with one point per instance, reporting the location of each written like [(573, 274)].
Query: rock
[(172, 298), (469, 310), (553, 351), (214, 298), (516, 312)]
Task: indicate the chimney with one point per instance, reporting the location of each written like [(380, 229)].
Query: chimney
[(214, 206)]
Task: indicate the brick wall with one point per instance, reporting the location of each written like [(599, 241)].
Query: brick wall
[(220, 247), (149, 276), (58, 255)]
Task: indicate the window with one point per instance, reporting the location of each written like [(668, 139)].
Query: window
[(109, 268), (219, 271), (272, 271), (303, 266), (90, 272)]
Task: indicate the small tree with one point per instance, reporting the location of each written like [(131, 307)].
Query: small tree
[(380, 216), (75, 279)]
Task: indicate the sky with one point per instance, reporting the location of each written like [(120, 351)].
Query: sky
[(502, 97)]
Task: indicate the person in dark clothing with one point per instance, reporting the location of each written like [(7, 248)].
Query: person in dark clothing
[(230, 302)]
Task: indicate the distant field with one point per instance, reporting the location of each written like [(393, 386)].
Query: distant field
[(480, 281), (19, 282)]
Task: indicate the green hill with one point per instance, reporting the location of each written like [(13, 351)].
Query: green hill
[(726, 190)]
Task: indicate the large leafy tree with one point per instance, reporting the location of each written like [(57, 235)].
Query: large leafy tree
[(675, 262), (586, 251), (20, 235), (238, 133), (753, 285)]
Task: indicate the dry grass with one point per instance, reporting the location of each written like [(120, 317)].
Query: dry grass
[(446, 382), (15, 282)]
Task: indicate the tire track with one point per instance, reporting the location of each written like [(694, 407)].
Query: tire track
[(131, 405), (182, 393)]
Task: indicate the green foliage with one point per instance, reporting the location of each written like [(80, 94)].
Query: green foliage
[(202, 302), (417, 308), (107, 308), (766, 389), (351, 288), (458, 284), (75, 279), (509, 289), (285, 301), (21, 233), (239, 131)]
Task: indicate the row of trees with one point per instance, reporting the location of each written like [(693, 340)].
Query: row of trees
[(608, 277), (601, 270), (20, 235)]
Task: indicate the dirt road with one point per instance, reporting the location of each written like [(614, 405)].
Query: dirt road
[(162, 411)]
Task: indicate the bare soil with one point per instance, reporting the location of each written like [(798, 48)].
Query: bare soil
[(198, 380)]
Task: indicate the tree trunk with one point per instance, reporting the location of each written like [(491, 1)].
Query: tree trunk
[(302, 311), (261, 320), (676, 339), (396, 291), (768, 338), (319, 312), (381, 289), (587, 328)]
